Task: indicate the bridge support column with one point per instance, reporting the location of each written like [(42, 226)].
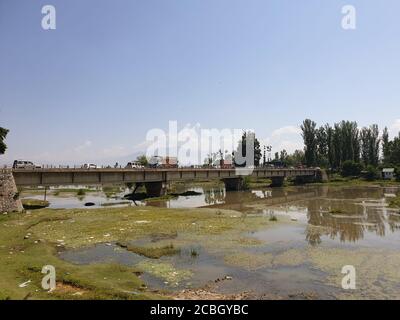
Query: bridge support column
[(155, 189), (9, 201), (277, 181), (233, 184)]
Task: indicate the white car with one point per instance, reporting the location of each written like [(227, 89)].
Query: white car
[(89, 166)]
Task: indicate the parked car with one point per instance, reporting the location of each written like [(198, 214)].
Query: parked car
[(89, 166), (134, 165), (23, 164)]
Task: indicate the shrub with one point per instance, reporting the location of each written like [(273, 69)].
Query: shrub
[(397, 172), (371, 173), (273, 218), (81, 192), (351, 168), (246, 182)]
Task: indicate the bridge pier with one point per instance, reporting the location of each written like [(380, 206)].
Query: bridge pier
[(9, 200), (233, 184), (277, 181), (155, 189), (321, 176)]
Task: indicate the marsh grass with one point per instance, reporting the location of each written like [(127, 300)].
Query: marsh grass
[(31, 204), (31, 241), (151, 252), (336, 211), (81, 192), (273, 218), (395, 202)]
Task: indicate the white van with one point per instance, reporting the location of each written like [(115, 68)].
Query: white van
[(23, 164), (134, 165)]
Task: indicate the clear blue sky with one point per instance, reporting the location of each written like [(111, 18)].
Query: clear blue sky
[(112, 70)]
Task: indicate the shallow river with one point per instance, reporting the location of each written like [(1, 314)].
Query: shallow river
[(325, 229)]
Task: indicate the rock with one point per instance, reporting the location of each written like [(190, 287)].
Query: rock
[(89, 204)]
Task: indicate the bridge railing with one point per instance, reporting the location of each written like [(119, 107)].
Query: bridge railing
[(81, 167)]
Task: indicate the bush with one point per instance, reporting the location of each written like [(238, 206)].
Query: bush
[(246, 182), (371, 173), (81, 192), (397, 172), (351, 168)]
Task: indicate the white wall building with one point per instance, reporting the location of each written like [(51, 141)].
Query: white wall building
[(388, 173)]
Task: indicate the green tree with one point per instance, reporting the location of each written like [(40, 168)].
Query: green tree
[(3, 135), (395, 151), (322, 146), (142, 160), (397, 173), (308, 129), (386, 145), (283, 156), (295, 159), (351, 168), (335, 144), (330, 145), (370, 141), (371, 172)]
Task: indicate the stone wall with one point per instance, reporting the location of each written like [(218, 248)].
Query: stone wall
[(9, 201), (321, 176)]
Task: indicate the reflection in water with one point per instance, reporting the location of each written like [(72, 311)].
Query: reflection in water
[(345, 214), (214, 195), (348, 214)]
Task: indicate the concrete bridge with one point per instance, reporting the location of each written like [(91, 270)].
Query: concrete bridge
[(155, 180)]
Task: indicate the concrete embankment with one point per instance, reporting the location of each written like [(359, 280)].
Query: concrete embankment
[(9, 197)]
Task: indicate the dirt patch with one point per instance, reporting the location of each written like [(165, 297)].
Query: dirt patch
[(205, 294), (67, 289)]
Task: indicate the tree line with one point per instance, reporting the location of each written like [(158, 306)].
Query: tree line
[(336, 146)]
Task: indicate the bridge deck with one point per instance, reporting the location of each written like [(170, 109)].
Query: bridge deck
[(71, 176)]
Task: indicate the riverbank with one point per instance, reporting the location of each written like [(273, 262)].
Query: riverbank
[(34, 239), (273, 243)]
